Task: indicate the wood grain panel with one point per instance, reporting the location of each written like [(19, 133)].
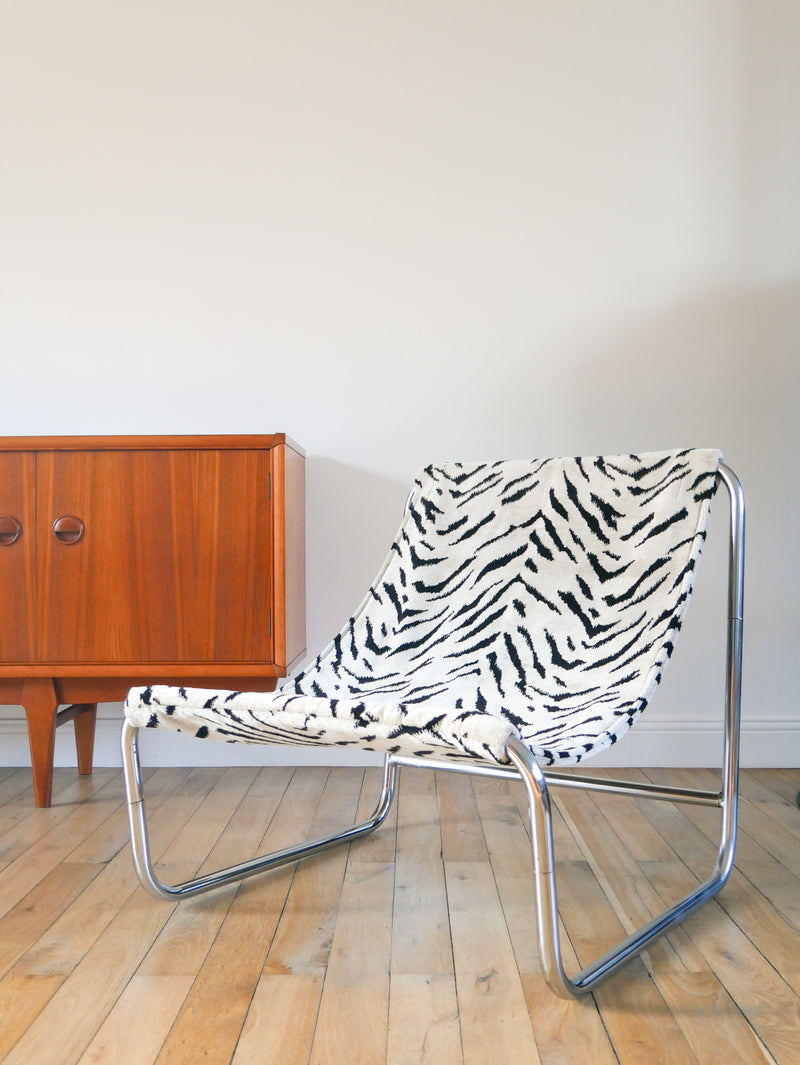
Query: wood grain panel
[(222, 546), (18, 559), (174, 563), (289, 556), (251, 442)]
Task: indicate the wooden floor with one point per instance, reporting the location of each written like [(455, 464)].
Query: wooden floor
[(416, 945)]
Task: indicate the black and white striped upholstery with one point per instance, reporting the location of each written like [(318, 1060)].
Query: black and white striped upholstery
[(538, 598)]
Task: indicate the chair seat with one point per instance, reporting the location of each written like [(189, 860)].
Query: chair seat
[(417, 730)]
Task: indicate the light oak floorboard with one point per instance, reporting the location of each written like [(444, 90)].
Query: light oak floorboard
[(92, 966), (291, 980), (423, 1006), (570, 1033), (413, 946), (354, 1009), (718, 1033), (280, 1022), (423, 1020), (208, 1026)]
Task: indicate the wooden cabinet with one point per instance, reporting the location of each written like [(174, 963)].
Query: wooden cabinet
[(128, 560)]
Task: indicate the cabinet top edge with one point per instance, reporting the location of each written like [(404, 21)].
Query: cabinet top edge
[(132, 443)]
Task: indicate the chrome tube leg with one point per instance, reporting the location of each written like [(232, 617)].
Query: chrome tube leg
[(541, 819), (733, 681), (540, 816), (141, 848), (546, 896), (140, 844)]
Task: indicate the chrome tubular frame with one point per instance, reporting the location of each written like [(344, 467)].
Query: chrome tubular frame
[(536, 784), (633, 789), (141, 848)]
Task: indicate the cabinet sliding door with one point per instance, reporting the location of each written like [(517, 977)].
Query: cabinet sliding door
[(17, 555), (154, 556)]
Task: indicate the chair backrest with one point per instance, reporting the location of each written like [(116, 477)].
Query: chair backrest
[(549, 592)]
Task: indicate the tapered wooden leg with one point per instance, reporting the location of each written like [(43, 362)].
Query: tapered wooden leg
[(41, 705), (84, 737)]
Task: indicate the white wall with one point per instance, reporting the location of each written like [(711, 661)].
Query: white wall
[(406, 231)]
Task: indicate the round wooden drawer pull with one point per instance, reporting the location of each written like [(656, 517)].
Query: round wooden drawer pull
[(68, 529), (10, 530)]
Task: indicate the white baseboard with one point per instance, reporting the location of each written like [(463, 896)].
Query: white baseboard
[(766, 744), (689, 743)]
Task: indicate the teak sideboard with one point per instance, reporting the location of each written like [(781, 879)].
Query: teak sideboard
[(137, 559)]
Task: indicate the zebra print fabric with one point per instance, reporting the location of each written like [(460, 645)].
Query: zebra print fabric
[(537, 598)]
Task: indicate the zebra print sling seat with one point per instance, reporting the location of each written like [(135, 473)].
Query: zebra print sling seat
[(539, 599), (521, 621)]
